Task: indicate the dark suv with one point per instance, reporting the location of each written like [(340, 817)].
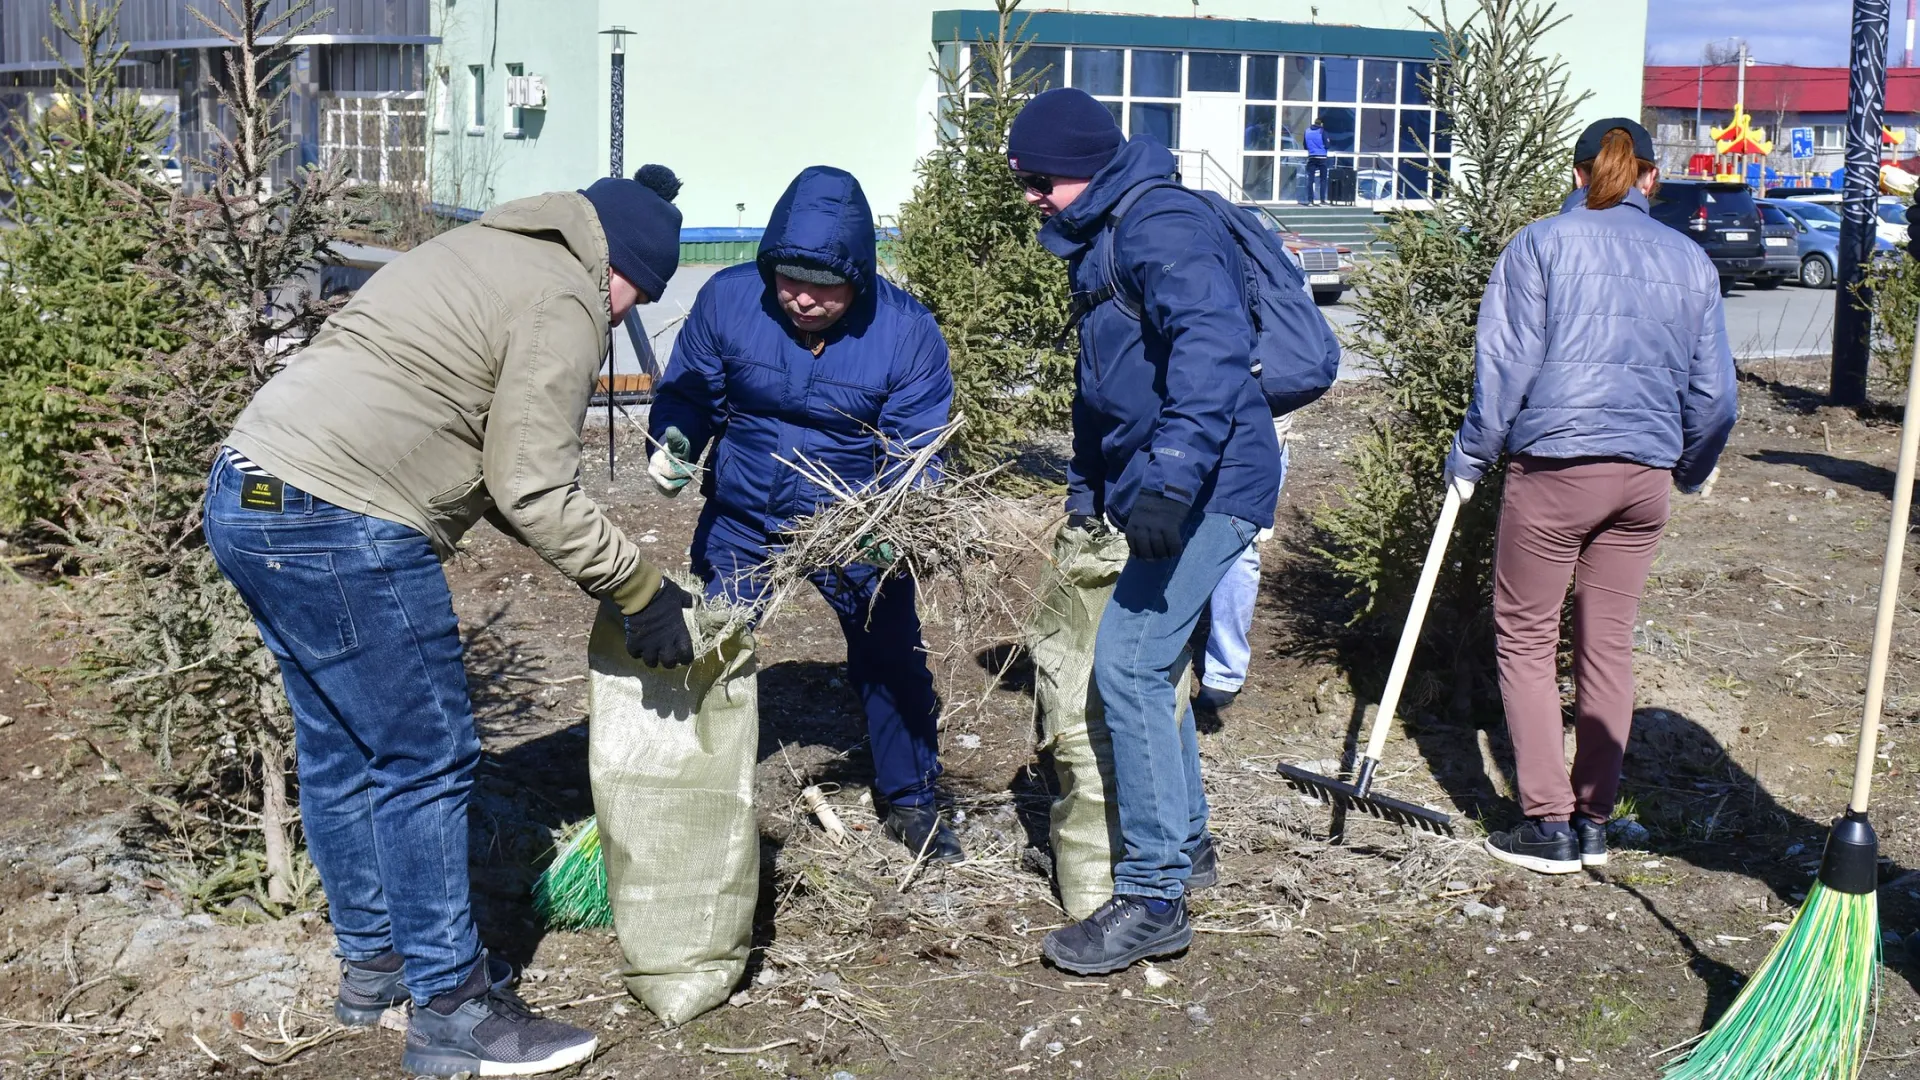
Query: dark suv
[(1723, 219)]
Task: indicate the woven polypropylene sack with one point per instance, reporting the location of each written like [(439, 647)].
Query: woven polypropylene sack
[(671, 754), (1084, 821)]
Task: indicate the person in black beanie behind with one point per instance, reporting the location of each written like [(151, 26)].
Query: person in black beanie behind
[(450, 388), (1174, 444)]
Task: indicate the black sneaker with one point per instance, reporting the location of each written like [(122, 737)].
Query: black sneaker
[(371, 987), (1592, 837), (1213, 701), (1125, 930), (489, 1032), (1206, 866), (1527, 846), (924, 829)]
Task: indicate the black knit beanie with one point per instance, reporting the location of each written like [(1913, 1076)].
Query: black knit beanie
[(1063, 132), (642, 226)]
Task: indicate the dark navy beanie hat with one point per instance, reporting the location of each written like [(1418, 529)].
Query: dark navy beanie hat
[(1063, 132), (642, 226)]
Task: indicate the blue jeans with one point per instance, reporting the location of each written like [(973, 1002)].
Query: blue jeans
[(1316, 179), (1231, 614), (1140, 651), (886, 661), (357, 611)]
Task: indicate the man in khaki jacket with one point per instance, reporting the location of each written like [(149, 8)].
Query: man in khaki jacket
[(453, 386)]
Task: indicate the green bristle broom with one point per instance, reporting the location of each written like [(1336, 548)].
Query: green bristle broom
[(1805, 1014), (571, 893)]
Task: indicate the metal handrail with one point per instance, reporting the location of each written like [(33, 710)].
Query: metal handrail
[(1234, 190)]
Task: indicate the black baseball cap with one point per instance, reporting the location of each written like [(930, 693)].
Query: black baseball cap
[(1588, 146)]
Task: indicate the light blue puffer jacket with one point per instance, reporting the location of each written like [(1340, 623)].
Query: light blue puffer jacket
[(1601, 335)]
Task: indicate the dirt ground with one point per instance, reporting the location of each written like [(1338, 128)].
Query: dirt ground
[(1392, 955)]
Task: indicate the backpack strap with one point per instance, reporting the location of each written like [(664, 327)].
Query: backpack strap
[(1084, 303)]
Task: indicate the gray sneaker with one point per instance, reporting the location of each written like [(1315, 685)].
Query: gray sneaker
[(488, 1032), (1123, 931), (371, 987), (1205, 860)]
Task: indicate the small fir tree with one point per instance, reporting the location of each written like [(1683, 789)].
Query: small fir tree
[(1508, 112), (183, 669), (967, 251), (74, 307)]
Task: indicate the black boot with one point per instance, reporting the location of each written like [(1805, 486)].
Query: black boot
[(923, 829)]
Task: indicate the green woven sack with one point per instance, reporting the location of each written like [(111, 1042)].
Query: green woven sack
[(671, 754), (1084, 822)]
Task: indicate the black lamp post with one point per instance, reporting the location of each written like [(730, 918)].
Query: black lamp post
[(617, 147), (1866, 108)]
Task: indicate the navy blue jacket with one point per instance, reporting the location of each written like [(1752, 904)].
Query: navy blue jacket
[(1601, 335), (1166, 403), (740, 369)]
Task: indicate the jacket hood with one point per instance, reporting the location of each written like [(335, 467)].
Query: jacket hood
[(1142, 159), (822, 218), (563, 216)]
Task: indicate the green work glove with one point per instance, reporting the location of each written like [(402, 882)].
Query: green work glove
[(668, 466), (880, 553)]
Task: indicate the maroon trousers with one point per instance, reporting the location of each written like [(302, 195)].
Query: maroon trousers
[(1596, 522)]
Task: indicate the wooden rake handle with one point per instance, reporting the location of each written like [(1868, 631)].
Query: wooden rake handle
[(1416, 617), (1889, 601)]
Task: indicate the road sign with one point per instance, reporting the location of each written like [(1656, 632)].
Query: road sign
[(1803, 142)]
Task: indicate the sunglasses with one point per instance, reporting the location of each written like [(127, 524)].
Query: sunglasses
[(1035, 182)]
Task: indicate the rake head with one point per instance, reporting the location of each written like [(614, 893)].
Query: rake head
[(1359, 797)]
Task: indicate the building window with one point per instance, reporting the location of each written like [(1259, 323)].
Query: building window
[(1047, 64), (442, 99), (515, 116), (1377, 114), (477, 99), (1829, 136), (377, 141), (1216, 73)]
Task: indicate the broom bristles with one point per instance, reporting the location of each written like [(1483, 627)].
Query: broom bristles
[(1803, 1015), (571, 893)]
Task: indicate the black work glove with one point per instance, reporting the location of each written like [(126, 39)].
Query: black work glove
[(657, 634), (1153, 528)]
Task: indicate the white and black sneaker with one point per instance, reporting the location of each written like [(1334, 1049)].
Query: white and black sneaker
[(1592, 837), (1536, 849), (485, 1031), (1122, 932)]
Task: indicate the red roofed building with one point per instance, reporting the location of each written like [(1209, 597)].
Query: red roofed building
[(1682, 103)]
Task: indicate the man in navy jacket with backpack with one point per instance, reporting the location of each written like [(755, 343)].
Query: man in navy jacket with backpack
[(1173, 443)]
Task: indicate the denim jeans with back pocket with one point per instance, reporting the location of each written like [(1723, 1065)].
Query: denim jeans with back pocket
[(357, 611)]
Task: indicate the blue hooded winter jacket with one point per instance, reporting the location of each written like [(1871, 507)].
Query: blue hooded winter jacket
[(1601, 335), (740, 369), (1167, 402)]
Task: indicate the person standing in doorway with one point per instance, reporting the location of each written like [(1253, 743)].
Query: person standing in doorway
[(811, 352), (1173, 442), (452, 387), (1602, 371), (1316, 162)]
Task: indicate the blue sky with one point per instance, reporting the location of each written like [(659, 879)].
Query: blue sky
[(1778, 31)]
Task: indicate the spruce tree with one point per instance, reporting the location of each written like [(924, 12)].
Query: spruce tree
[(1508, 111), (967, 251)]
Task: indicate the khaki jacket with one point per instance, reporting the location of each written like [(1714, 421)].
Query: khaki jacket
[(454, 385)]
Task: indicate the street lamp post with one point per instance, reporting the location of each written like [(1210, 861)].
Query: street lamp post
[(1866, 108), (617, 136)]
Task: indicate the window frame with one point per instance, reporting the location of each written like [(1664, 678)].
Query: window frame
[(476, 99)]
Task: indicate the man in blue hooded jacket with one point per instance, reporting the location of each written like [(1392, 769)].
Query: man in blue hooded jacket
[(1174, 444), (809, 351)]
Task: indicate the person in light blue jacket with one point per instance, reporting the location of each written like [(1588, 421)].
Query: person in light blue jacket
[(1602, 374)]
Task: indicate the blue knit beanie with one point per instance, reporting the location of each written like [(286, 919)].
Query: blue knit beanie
[(1063, 132), (642, 226)]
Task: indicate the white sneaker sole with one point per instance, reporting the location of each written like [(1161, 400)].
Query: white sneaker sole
[(1534, 862), (1594, 860), (572, 1055)]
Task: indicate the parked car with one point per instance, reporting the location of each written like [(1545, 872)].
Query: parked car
[(1783, 247), (1818, 226), (1327, 266), (1890, 210), (1375, 184), (1723, 219)]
